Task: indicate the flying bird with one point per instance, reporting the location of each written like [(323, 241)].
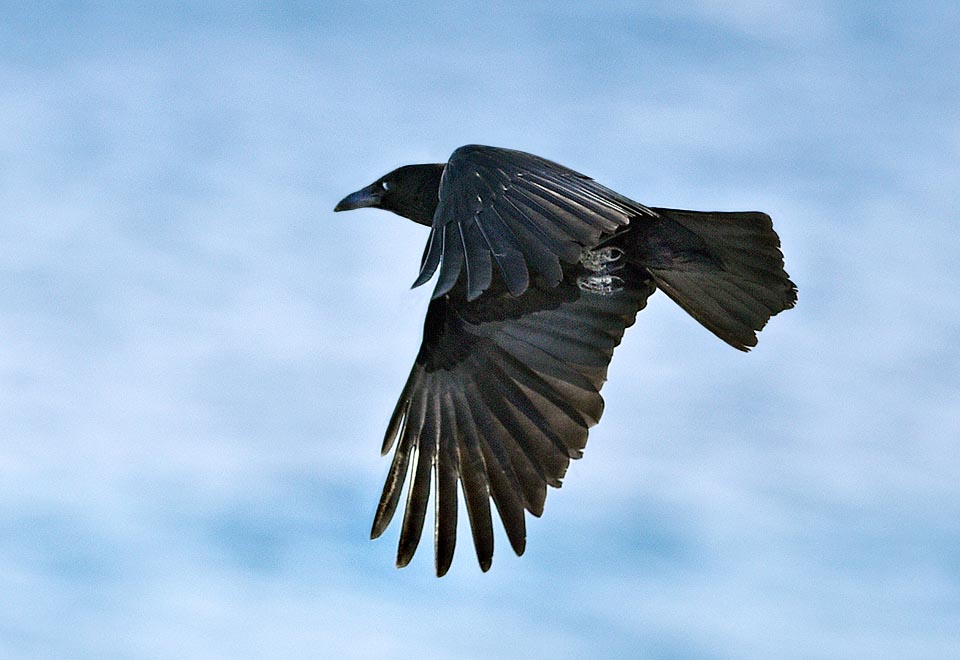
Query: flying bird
[(540, 269)]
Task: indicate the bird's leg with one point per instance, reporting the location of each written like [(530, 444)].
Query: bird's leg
[(601, 264), (604, 260)]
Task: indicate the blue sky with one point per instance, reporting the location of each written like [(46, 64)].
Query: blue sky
[(198, 357)]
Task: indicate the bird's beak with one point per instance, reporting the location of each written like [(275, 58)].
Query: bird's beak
[(369, 196)]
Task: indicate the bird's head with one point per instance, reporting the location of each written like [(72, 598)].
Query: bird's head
[(411, 191)]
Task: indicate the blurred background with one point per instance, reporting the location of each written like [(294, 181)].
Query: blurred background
[(198, 358)]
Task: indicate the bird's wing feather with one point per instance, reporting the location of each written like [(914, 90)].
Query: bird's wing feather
[(513, 213), (500, 398)]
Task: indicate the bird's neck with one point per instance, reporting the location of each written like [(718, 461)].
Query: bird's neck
[(421, 194)]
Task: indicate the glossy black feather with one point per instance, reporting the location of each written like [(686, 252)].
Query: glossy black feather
[(496, 193), (520, 407)]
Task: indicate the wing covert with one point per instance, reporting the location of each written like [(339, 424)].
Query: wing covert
[(517, 214)]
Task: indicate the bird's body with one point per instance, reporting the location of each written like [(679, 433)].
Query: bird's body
[(541, 269)]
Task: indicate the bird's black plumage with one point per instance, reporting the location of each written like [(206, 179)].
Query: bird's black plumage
[(541, 269)]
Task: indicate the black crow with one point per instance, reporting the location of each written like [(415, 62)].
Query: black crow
[(541, 269)]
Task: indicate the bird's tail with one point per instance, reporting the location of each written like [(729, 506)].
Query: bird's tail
[(724, 269)]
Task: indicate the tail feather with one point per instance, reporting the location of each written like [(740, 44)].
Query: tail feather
[(724, 269)]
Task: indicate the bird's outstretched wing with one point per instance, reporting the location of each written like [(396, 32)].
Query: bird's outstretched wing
[(516, 212), (500, 398)]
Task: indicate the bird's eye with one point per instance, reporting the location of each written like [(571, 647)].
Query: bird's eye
[(386, 186)]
